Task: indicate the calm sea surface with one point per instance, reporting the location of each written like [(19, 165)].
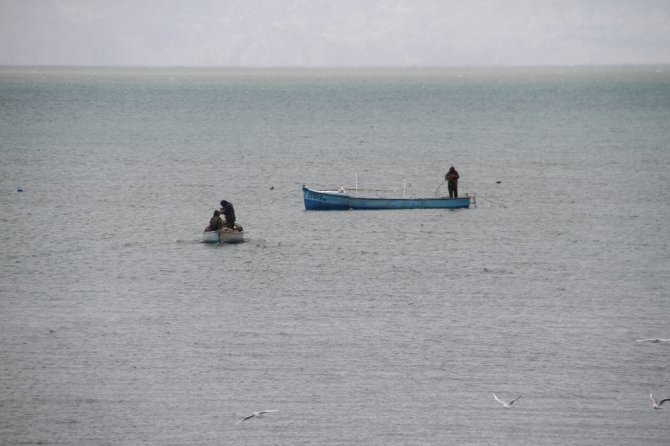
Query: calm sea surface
[(118, 327)]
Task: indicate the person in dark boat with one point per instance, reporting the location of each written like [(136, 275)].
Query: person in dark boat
[(452, 182), (215, 223), (228, 213)]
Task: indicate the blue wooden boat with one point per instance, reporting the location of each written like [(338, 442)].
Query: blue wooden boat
[(321, 200)]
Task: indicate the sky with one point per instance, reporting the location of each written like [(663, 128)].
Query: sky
[(334, 33)]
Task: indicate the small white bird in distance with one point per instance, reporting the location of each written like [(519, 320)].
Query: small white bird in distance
[(654, 340), (655, 404), (506, 405), (258, 414)]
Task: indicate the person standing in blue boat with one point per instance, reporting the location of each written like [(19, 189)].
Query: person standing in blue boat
[(228, 213), (452, 182)]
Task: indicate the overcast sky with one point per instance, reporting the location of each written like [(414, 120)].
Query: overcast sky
[(318, 33)]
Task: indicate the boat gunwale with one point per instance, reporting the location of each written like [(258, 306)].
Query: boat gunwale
[(354, 197)]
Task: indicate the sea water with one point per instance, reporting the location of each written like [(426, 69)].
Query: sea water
[(118, 326)]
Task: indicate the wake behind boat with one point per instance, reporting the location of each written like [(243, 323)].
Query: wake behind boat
[(324, 200)]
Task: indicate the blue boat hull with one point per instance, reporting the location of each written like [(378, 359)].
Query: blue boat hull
[(336, 201)]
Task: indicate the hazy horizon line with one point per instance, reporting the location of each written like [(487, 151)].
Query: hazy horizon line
[(347, 67)]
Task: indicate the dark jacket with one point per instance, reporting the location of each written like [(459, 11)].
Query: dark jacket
[(215, 223), (452, 176), (228, 212)]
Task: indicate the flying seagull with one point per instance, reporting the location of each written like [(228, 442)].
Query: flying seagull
[(258, 414), (506, 405), (654, 340), (657, 404)]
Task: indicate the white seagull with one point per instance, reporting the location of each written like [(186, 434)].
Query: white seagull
[(654, 340), (506, 405), (657, 404), (258, 414)]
